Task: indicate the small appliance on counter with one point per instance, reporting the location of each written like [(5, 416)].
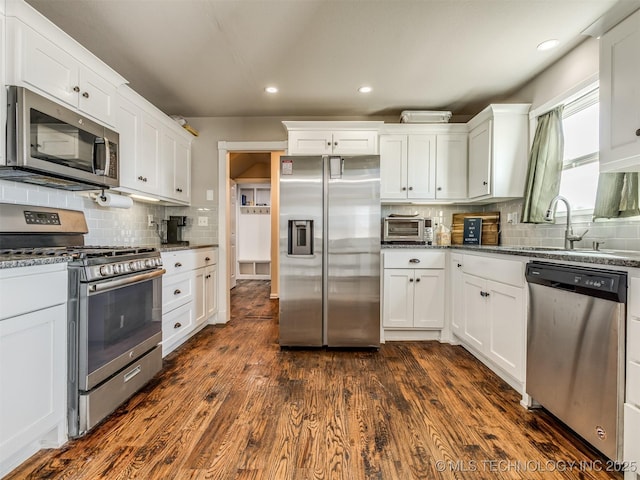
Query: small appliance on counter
[(406, 229), (175, 224)]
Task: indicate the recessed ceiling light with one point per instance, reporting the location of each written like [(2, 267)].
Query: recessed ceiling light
[(271, 89), (365, 89), (548, 44)]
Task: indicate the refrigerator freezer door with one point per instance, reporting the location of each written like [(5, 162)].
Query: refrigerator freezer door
[(353, 259), (301, 198)]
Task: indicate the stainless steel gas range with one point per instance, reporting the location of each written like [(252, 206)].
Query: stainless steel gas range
[(114, 308)]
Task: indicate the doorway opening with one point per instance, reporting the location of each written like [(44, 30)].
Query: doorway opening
[(249, 172)]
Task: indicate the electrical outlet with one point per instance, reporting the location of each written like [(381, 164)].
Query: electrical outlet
[(209, 194), (149, 220), (203, 221)]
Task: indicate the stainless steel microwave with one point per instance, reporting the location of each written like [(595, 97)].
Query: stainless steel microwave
[(403, 229), (53, 146)]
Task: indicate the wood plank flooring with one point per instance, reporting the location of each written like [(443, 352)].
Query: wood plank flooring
[(230, 404)]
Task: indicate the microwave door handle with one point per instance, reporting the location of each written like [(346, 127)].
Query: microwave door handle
[(107, 152)]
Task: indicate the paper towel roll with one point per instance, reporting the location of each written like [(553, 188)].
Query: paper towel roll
[(114, 201)]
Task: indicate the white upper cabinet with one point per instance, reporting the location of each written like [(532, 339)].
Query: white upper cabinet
[(155, 153), (332, 138), (420, 162), (42, 57), (451, 166), (498, 152), (620, 97)]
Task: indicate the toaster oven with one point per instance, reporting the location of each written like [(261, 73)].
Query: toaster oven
[(403, 229)]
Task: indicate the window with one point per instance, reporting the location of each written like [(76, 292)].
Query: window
[(581, 145)]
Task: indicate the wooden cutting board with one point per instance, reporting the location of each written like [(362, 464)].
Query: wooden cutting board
[(490, 227)]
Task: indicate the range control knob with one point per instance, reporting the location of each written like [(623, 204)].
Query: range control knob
[(149, 263), (118, 268), (106, 270), (158, 262), (133, 266)]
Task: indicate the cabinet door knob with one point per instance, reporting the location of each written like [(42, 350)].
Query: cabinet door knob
[(206, 259), (177, 325), (177, 291), (208, 276), (335, 144), (638, 132), (459, 265), (76, 89), (414, 260), (178, 264), (410, 188), (485, 183), (439, 189), (140, 177), (85, 94), (328, 144), (411, 280), (404, 189), (179, 190), (417, 279)]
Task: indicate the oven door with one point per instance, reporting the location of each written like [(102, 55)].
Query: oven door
[(119, 321)]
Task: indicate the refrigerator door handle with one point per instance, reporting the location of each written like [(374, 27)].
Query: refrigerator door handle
[(336, 167)]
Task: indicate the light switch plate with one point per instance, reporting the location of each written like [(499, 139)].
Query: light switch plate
[(149, 220), (203, 221), (209, 194)]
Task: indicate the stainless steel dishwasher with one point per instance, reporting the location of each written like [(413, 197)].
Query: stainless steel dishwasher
[(576, 349)]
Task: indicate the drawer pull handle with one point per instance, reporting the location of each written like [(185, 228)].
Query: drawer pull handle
[(178, 264), (177, 325), (484, 294), (414, 260), (177, 291), (132, 373), (485, 183)]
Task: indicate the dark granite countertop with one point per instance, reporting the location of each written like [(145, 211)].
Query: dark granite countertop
[(612, 258), (14, 261), (172, 247)]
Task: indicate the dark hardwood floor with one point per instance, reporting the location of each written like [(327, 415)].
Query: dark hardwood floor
[(230, 404)]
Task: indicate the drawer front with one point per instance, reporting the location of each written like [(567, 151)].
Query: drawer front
[(633, 339), (633, 383), (17, 292), (178, 262), (175, 325), (177, 290), (631, 434), (414, 259), (504, 271), (634, 297), (206, 257)]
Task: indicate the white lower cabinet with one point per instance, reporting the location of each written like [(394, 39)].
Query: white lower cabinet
[(491, 317), (414, 290), (33, 361), (631, 451), (189, 294), (455, 289)]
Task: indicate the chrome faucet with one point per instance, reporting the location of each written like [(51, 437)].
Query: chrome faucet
[(569, 237)]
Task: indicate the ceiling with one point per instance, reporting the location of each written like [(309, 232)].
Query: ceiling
[(204, 58)]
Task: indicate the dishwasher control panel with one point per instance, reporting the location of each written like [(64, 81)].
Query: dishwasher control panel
[(609, 284)]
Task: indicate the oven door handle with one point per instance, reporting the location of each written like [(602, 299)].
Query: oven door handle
[(121, 282)]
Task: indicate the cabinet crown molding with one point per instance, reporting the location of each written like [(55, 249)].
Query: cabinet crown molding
[(499, 108), (332, 125)]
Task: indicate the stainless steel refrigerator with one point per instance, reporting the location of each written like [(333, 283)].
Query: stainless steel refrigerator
[(330, 251)]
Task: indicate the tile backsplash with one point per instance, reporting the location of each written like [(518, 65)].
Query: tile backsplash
[(619, 234), (113, 226)]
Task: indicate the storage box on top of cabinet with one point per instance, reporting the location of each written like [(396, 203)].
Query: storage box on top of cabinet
[(498, 152)]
